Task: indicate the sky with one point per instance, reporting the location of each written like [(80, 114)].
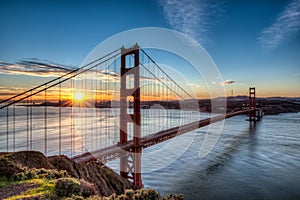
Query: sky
[(252, 42)]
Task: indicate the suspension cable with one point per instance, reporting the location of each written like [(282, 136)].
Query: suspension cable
[(77, 71), (16, 101), (166, 73)]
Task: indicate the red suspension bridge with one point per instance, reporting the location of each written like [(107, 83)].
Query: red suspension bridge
[(111, 108)]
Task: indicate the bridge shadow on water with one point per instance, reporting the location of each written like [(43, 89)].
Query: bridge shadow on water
[(247, 137), (217, 163), (193, 176)]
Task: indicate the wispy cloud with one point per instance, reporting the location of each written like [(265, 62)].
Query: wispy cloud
[(39, 68), (197, 85), (227, 82), (192, 17), (285, 26), (34, 67)]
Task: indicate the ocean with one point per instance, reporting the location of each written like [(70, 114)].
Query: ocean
[(247, 161)]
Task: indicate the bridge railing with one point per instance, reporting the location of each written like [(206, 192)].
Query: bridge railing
[(79, 111), (42, 118)]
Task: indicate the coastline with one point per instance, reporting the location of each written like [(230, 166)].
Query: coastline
[(31, 175)]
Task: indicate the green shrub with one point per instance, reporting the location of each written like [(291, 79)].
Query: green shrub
[(129, 193), (66, 187), (38, 173), (173, 197), (31, 174), (143, 194), (122, 197), (8, 169), (152, 194), (18, 177)]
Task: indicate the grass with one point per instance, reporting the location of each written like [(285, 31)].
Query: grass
[(46, 187), (67, 188), (58, 184), (4, 183), (54, 188), (44, 178), (38, 173)]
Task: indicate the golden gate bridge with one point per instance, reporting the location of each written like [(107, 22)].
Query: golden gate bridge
[(104, 106)]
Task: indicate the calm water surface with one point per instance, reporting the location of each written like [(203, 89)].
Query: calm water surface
[(248, 162)]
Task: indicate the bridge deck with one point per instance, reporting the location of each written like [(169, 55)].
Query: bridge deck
[(117, 151)]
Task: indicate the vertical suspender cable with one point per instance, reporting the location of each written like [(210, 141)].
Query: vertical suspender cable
[(106, 98), (166, 101), (71, 116), (82, 116), (159, 93), (59, 109), (27, 123), (85, 114), (102, 109), (173, 105), (148, 95), (31, 102), (96, 109), (14, 127), (115, 70), (90, 112), (141, 92), (7, 131), (99, 107), (110, 67), (45, 114), (167, 106)]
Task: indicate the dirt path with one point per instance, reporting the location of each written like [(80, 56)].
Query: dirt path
[(16, 189)]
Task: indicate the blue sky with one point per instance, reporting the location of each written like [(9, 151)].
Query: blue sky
[(253, 42)]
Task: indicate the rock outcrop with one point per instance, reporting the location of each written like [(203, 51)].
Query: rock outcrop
[(105, 180)]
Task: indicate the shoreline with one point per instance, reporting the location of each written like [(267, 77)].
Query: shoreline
[(32, 175)]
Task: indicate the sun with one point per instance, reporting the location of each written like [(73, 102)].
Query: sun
[(78, 96)]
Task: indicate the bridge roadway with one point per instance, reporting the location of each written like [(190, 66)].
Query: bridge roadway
[(116, 151)]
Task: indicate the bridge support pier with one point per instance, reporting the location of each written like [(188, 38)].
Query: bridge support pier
[(130, 120), (256, 113), (252, 104)]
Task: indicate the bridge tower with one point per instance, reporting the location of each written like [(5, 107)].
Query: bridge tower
[(130, 164), (252, 105)]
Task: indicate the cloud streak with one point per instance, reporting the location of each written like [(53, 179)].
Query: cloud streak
[(39, 68), (34, 67), (227, 82), (189, 16), (285, 26)]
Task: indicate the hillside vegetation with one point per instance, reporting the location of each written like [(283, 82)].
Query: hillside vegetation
[(31, 175)]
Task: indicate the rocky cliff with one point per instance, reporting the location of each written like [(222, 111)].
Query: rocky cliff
[(18, 167)]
